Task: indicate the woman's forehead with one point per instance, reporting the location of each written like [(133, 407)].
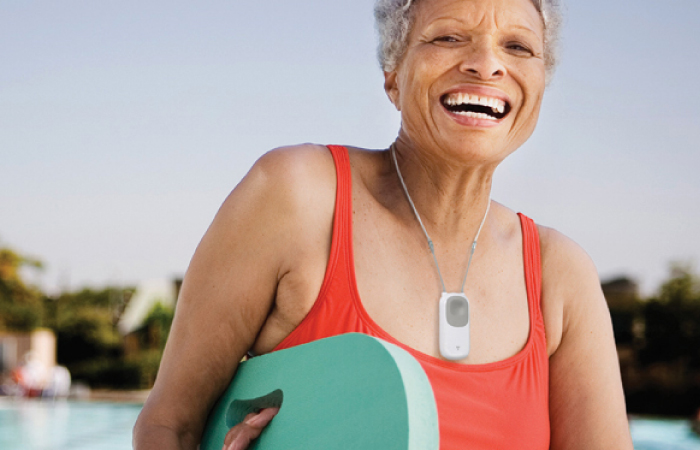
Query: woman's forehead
[(472, 13)]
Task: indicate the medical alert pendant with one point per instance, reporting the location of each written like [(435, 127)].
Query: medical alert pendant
[(454, 306), (454, 325)]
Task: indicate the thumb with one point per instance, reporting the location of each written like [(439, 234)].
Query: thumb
[(262, 418), (240, 436)]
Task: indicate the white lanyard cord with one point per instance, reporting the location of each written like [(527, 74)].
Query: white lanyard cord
[(392, 150)]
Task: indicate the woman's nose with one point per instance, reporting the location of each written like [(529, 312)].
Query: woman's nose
[(483, 62)]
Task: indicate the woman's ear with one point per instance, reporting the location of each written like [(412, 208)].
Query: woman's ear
[(391, 88)]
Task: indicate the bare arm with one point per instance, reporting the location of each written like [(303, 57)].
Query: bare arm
[(587, 406), (226, 297)]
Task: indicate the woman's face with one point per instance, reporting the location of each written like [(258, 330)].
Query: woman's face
[(472, 79)]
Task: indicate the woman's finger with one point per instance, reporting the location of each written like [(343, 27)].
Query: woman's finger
[(240, 436)]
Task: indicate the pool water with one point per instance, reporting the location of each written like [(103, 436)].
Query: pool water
[(61, 425), (663, 434)]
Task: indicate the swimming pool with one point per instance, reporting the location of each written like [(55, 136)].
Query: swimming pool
[(663, 434), (61, 425)]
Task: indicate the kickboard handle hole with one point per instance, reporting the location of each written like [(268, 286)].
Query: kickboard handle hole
[(238, 409)]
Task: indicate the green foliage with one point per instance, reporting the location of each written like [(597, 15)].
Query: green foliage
[(85, 325), (88, 342), (108, 373), (623, 323), (21, 307), (138, 372), (90, 345), (148, 363), (19, 317), (681, 289), (157, 324), (672, 321)]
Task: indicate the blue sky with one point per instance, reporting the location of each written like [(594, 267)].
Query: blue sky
[(123, 125)]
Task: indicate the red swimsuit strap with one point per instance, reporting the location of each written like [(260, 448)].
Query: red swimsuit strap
[(533, 268)]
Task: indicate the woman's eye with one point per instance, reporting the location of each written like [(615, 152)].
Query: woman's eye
[(446, 39), (517, 47)]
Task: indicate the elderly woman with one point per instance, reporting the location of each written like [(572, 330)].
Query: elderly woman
[(320, 241)]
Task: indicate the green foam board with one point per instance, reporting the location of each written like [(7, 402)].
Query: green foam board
[(351, 391)]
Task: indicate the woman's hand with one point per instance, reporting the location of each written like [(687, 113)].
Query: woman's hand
[(240, 436)]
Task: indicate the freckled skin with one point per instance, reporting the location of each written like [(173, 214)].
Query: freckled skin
[(260, 266)]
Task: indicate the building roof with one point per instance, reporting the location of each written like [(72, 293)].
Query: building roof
[(147, 295)]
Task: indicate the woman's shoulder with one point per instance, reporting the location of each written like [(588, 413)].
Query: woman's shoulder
[(571, 289), (563, 259), (296, 167), (291, 179), (288, 193), (295, 185), (305, 171)]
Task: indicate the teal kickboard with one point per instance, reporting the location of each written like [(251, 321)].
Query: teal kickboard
[(351, 391)]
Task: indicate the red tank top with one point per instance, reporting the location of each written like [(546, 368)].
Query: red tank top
[(499, 405)]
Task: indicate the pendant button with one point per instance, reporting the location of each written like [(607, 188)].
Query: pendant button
[(454, 325), (457, 311)]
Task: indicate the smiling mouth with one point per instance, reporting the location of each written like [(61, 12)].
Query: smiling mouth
[(478, 107)]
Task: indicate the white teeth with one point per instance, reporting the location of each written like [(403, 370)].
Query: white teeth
[(475, 115), (461, 98)]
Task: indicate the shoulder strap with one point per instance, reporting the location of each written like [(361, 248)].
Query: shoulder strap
[(531, 259), (342, 219)]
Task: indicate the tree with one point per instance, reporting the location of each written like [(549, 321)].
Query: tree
[(157, 324), (21, 306), (85, 324), (672, 320)]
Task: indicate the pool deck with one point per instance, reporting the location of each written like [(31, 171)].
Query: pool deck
[(102, 395), (97, 395)]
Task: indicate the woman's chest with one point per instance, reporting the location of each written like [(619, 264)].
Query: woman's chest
[(398, 285)]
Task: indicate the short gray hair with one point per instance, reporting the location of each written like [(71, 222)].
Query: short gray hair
[(394, 19)]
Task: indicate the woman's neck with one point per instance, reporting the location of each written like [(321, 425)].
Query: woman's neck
[(450, 195)]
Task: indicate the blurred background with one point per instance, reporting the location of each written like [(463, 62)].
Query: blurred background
[(124, 125)]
